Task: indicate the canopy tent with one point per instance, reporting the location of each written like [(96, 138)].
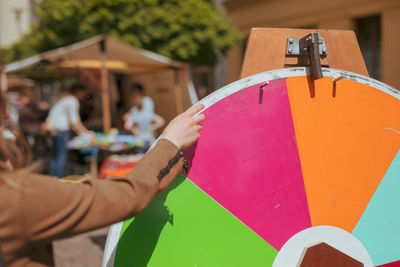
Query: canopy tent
[(108, 54), (19, 82), (121, 57)]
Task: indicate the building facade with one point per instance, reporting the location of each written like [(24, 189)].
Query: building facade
[(375, 22), (16, 17)]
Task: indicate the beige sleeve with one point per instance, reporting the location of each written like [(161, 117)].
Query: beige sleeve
[(55, 209)]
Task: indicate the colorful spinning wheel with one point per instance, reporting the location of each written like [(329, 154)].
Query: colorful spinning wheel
[(282, 164)]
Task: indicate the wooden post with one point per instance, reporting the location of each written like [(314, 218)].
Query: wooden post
[(178, 91), (105, 94), (266, 49)]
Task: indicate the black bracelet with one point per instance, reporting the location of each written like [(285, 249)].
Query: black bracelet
[(171, 163)]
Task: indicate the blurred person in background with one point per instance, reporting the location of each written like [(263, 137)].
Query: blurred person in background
[(141, 119), (63, 117), (35, 209), (31, 117), (16, 101)]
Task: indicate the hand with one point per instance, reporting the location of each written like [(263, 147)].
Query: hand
[(47, 127), (183, 131), (90, 134), (125, 116), (128, 125)]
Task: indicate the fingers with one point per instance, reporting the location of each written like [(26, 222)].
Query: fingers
[(193, 110), (199, 118), (199, 127)]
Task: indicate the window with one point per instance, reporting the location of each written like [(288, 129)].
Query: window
[(368, 30)]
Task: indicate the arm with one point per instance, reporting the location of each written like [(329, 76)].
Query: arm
[(53, 209), (74, 119), (128, 124), (46, 126), (79, 128), (128, 120)]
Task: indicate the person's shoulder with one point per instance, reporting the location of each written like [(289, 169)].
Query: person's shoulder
[(64, 100), (71, 100)]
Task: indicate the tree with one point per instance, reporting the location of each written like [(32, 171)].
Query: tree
[(3, 53), (187, 30)]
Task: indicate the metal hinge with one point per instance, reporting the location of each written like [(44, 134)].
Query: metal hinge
[(311, 45)]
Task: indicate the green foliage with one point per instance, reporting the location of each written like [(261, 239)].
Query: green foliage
[(2, 56), (24, 48), (187, 30)]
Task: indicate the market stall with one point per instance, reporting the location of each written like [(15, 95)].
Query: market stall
[(109, 55), (98, 60)]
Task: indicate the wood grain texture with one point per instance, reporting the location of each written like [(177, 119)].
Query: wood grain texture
[(267, 46), (324, 255)]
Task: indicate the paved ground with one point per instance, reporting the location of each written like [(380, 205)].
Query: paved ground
[(85, 250)]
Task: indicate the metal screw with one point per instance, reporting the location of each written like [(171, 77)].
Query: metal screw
[(290, 50), (290, 40), (305, 49), (324, 51), (320, 41)]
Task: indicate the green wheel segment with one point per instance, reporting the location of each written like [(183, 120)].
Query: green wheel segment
[(185, 227)]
